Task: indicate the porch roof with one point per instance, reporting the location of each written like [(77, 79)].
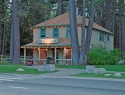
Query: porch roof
[(63, 42)]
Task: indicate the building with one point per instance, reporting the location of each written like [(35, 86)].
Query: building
[(51, 39)]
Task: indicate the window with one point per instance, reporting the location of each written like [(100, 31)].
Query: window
[(67, 32), (108, 37), (42, 33), (55, 32), (101, 36)]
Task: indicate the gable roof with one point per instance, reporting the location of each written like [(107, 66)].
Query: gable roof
[(64, 20)]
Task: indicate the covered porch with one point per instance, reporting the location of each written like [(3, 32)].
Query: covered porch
[(60, 53)]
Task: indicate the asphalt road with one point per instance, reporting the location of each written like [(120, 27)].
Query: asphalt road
[(57, 85)]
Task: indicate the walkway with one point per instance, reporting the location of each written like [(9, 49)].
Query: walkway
[(61, 71)]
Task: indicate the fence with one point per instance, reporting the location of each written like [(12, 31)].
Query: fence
[(7, 59)]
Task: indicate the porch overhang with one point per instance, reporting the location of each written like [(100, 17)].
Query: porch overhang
[(32, 45), (62, 43)]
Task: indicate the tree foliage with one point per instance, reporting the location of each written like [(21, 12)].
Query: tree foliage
[(32, 12)]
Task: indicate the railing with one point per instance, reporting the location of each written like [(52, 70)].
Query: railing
[(64, 61), (7, 59)]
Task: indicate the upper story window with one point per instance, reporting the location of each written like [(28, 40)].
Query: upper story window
[(42, 33), (108, 37), (55, 32), (101, 36), (67, 32)]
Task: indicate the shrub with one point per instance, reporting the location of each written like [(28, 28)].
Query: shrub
[(98, 55), (114, 56)]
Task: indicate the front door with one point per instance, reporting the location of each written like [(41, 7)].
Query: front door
[(43, 53)]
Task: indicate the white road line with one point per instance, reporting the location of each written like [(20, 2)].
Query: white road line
[(15, 78), (6, 80), (17, 87)]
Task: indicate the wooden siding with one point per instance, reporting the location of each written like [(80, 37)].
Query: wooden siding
[(36, 34), (63, 31), (94, 39), (35, 53), (110, 43), (48, 32)]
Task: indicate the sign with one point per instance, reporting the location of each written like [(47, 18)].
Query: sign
[(48, 41)]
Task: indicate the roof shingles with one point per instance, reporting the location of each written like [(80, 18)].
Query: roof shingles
[(64, 20)]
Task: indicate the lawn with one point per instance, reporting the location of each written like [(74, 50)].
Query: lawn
[(12, 69), (118, 68)]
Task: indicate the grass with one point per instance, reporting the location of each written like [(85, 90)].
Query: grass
[(118, 68), (71, 66), (12, 69), (99, 75)]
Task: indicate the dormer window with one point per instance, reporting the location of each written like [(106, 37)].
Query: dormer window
[(42, 33), (55, 32)]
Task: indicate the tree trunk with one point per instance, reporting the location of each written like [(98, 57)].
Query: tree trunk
[(59, 7), (89, 32), (0, 40), (120, 24), (12, 39), (16, 32), (123, 36), (3, 43), (108, 15), (83, 35), (2, 28), (73, 32)]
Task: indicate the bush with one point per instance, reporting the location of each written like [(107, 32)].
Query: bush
[(98, 55), (114, 56)]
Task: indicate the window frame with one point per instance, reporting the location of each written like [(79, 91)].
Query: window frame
[(42, 34), (53, 33), (108, 37), (101, 36)]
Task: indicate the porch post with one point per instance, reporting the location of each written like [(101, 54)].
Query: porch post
[(55, 56), (24, 55), (39, 54)]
